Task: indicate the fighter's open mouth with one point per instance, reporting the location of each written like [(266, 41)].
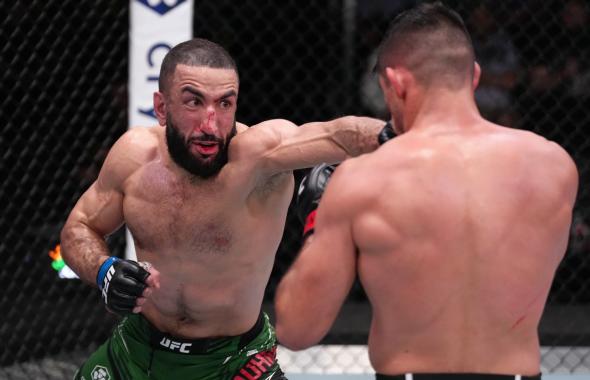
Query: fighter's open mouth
[(206, 148)]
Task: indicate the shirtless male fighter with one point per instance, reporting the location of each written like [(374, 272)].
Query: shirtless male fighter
[(455, 227), (206, 200)]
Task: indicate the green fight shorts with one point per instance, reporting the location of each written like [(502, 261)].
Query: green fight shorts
[(137, 350)]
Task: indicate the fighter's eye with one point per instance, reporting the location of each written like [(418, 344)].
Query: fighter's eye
[(195, 101), (225, 104)]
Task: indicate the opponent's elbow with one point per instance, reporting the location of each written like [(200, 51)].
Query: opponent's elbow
[(295, 339), (297, 331)]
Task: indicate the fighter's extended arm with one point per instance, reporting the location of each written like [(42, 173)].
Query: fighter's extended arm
[(98, 213), (281, 146), (311, 293)]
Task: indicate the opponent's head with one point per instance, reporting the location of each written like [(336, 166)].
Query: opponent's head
[(196, 102), (424, 47)]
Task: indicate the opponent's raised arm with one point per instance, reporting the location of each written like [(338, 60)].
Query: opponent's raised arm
[(280, 145), (311, 293), (98, 213)]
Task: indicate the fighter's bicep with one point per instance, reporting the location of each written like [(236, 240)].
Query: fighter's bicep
[(263, 142), (333, 228), (331, 249), (325, 270), (100, 209), (279, 146)]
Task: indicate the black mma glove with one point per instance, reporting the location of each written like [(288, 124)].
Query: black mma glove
[(121, 282), (386, 134), (309, 194)]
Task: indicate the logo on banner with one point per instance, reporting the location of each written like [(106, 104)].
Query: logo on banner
[(161, 6)]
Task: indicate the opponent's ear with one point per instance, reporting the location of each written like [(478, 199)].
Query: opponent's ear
[(387, 89), (397, 80), (160, 107), (476, 75)]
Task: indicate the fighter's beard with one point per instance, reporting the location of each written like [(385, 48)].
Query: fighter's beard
[(178, 147)]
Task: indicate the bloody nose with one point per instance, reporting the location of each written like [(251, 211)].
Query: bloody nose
[(210, 124)]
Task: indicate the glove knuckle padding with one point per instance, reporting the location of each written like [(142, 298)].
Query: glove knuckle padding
[(122, 296), (126, 284), (122, 300), (311, 189), (386, 134), (132, 269), (129, 286)]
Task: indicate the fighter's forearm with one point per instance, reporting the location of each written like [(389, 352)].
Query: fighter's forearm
[(289, 317), (286, 147), (83, 250), (356, 135), (299, 323)]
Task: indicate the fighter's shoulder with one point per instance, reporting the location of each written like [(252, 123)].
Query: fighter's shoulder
[(355, 180), (546, 156), (133, 149), (241, 127), (268, 129), (398, 153), (259, 137), (271, 124), (139, 144), (541, 147)]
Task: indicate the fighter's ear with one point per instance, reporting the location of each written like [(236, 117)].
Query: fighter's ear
[(397, 78), (160, 107), (476, 75)]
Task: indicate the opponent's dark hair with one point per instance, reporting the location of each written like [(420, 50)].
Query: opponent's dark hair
[(195, 52), (431, 40)]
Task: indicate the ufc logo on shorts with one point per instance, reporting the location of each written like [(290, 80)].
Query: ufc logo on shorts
[(106, 282), (173, 346)]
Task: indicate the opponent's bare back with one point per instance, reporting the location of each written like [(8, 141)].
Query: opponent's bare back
[(455, 232), (455, 227), (458, 244)]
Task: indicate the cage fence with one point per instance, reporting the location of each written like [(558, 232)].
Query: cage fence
[(64, 75)]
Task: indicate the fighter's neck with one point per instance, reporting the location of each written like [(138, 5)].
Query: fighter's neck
[(440, 108)]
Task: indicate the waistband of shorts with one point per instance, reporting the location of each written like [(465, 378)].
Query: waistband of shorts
[(166, 342), (454, 376)]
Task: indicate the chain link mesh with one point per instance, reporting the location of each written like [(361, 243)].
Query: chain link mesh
[(64, 73)]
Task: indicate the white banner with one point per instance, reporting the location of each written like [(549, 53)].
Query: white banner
[(156, 26)]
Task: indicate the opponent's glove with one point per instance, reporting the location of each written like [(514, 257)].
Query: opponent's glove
[(310, 192), (386, 134), (121, 282)]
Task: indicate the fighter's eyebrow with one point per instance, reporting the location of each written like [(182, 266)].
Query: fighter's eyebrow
[(200, 95), (193, 91), (228, 94)]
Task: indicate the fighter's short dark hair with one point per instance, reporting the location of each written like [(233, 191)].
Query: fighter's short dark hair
[(431, 40), (195, 52)]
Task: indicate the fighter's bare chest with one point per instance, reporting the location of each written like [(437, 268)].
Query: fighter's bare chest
[(167, 213)]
